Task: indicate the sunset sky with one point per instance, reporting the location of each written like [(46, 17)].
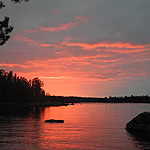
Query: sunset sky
[(80, 47)]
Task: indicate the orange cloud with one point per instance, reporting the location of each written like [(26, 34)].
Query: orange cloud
[(45, 45), (125, 51), (92, 68), (78, 70), (56, 78), (61, 27), (57, 46), (118, 45)]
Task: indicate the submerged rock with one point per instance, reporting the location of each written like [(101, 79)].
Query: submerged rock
[(140, 123), (54, 121)]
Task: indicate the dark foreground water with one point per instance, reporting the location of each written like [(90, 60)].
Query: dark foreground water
[(87, 126)]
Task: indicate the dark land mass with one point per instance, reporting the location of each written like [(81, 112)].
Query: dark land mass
[(20, 92), (72, 99), (45, 101)]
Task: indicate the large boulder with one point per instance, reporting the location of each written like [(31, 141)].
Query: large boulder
[(140, 123)]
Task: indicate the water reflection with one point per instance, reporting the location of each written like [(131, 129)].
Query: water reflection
[(141, 140), (20, 111), (15, 111), (19, 127), (92, 126)]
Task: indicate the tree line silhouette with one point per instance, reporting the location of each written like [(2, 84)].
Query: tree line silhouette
[(19, 90), (15, 89)]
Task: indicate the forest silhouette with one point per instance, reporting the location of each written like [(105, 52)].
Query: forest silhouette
[(15, 89), (19, 90)]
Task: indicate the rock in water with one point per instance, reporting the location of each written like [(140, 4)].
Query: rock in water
[(140, 123), (54, 121)]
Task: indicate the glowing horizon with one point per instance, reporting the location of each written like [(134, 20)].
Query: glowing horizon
[(80, 49)]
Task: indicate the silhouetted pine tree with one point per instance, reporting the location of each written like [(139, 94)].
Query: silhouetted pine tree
[(15, 89), (5, 28)]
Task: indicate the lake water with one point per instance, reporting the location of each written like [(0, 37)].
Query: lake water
[(91, 126)]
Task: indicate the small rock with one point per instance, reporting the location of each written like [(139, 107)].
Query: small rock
[(54, 121)]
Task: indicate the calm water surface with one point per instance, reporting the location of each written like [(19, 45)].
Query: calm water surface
[(87, 126)]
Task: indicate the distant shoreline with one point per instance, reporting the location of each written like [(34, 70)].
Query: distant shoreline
[(20, 92), (71, 99), (46, 101)]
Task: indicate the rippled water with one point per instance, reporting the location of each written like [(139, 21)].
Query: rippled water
[(87, 126)]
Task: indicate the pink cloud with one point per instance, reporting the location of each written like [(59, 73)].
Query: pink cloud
[(56, 46), (22, 38), (45, 45), (118, 45), (82, 18), (91, 67), (124, 51), (28, 40), (14, 65), (58, 63), (34, 42), (64, 66), (129, 74), (61, 27)]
